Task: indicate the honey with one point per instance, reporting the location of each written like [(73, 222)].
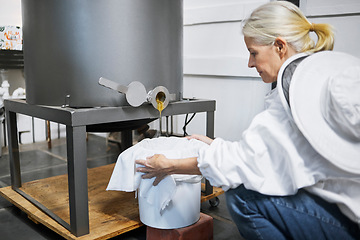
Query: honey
[(160, 105), (160, 98)]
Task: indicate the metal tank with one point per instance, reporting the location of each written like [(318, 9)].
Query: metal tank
[(69, 45)]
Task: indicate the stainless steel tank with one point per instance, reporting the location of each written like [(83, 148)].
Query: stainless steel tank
[(69, 45)]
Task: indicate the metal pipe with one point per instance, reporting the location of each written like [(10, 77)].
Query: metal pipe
[(172, 125), (48, 133), (167, 126)]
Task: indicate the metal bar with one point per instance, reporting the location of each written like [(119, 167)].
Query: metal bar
[(126, 139), (167, 126), (48, 134), (33, 128), (14, 155), (89, 116), (54, 114), (210, 124), (77, 180), (1, 134), (4, 131), (160, 125), (43, 208), (146, 111), (172, 125), (113, 85)]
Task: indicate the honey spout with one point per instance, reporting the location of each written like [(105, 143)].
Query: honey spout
[(136, 94), (160, 99)]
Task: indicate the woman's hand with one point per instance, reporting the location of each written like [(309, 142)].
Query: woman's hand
[(156, 166), (202, 138)]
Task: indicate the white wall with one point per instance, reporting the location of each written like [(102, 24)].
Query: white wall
[(343, 15), (215, 65), (215, 58), (10, 12)]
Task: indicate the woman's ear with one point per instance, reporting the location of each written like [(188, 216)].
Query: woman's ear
[(281, 46)]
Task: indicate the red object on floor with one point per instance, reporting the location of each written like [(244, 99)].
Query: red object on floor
[(201, 230)]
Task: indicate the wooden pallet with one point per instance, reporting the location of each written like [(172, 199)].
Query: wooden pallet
[(111, 213)]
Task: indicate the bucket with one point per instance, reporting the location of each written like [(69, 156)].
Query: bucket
[(175, 201), (183, 209)]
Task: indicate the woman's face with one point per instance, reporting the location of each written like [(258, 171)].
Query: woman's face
[(266, 59)]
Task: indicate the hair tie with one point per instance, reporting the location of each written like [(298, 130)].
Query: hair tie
[(312, 27)]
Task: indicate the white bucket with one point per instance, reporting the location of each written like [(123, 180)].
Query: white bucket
[(183, 210), (175, 201)]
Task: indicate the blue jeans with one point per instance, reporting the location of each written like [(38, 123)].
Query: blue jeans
[(301, 216)]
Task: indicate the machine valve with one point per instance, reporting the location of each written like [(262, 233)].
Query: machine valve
[(136, 94)]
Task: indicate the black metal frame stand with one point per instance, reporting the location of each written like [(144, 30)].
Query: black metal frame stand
[(76, 121)]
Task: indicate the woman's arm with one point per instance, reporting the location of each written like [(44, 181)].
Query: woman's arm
[(159, 166), (202, 138)]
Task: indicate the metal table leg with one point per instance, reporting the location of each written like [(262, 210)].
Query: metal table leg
[(210, 120), (15, 171), (14, 156), (77, 177), (126, 139)]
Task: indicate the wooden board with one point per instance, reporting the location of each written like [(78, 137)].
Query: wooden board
[(111, 213)]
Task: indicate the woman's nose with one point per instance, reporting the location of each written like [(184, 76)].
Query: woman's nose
[(251, 63)]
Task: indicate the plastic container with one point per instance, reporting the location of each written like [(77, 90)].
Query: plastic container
[(175, 201), (183, 210)]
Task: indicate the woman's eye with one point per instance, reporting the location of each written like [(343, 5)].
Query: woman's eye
[(253, 54)]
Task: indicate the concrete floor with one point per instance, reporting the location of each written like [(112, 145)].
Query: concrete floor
[(38, 161)]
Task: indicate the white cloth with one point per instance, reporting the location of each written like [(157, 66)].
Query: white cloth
[(274, 158), (125, 177)]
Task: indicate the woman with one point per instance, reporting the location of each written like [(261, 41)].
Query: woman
[(269, 174)]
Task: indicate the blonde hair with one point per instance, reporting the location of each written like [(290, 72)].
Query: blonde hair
[(284, 19)]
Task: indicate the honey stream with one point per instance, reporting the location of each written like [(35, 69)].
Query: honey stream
[(160, 107)]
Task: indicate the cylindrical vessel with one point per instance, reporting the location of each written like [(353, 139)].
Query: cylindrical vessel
[(182, 211), (69, 45)]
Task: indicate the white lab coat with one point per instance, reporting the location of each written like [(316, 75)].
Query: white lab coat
[(274, 158)]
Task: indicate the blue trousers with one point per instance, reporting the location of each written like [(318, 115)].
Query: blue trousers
[(301, 216)]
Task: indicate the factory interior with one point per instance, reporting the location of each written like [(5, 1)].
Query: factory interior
[(81, 82)]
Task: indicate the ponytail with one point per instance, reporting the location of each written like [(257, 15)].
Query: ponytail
[(284, 19), (325, 36)]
